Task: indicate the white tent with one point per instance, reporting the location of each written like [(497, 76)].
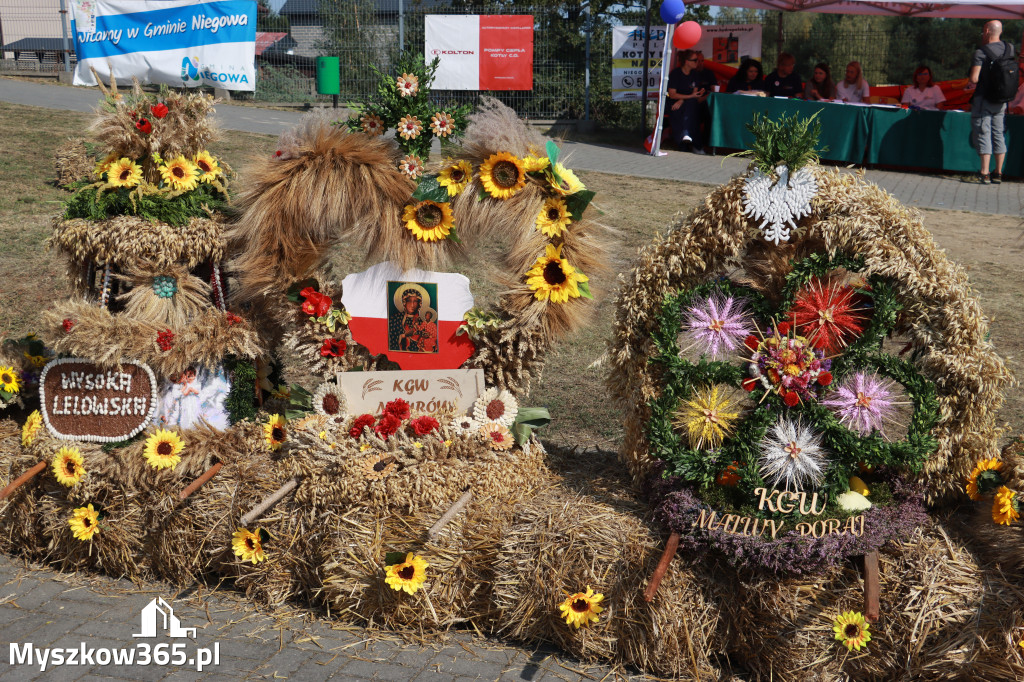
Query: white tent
[(960, 9)]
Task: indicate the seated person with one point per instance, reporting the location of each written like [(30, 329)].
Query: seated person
[(853, 88), (783, 82), (748, 78), (1016, 105), (684, 99), (706, 78), (820, 87), (924, 93)]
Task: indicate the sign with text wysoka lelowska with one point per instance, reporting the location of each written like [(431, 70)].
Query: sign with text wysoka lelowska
[(629, 51), (480, 52), (184, 43)]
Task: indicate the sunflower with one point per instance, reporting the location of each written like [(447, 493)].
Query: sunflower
[(408, 85), (852, 630), (496, 435), (208, 166), (409, 127), (408, 575), (163, 449), (535, 164), (84, 522), (8, 380), (553, 217), (328, 400), (124, 173), (502, 175), (496, 406), (442, 124), (429, 221), (38, 361), (274, 431), (378, 465), (30, 428), (248, 545), (68, 466), (411, 165), (1005, 507), (372, 124), (564, 181), (551, 277), (102, 166), (455, 176), (180, 173), (989, 482), (582, 608)]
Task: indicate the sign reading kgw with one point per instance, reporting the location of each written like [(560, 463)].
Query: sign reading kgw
[(785, 502), (447, 390), (82, 401)]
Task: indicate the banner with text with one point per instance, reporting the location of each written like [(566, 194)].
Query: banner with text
[(628, 54), (184, 43), (730, 43), (480, 52)]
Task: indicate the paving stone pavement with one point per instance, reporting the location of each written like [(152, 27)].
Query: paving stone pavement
[(914, 189), (74, 611)]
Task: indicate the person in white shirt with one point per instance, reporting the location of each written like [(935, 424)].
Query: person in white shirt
[(853, 88), (924, 93)]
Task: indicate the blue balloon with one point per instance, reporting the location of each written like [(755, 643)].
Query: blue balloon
[(672, 11)]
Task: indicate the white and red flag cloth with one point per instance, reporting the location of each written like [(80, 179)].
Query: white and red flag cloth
[(480, 51)]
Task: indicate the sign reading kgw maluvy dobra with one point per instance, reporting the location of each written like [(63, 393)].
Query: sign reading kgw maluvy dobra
[(629, 51), (83, 401), (447, 390)]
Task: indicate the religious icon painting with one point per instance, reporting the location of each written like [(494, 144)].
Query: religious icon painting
[(412, 317)]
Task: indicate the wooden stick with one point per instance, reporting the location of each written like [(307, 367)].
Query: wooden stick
[(22, 480), (666, 558), (447, 517), (872, 588), (271, 499), (202, 480)]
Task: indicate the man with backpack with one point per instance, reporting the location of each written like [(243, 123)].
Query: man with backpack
[(994, 76)]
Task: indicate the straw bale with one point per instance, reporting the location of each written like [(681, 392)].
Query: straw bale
[(19, 517), (72, 163)]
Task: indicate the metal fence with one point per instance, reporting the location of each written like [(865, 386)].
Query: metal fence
[(32, 37)]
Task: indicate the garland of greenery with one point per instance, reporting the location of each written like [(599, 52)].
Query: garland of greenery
[(241, 400), (173, 208)]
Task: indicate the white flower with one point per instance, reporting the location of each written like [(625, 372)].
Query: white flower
[(496, 406), (778, 205), (791, 454), (464, 425), (329, 400)]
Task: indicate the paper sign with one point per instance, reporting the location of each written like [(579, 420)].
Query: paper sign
[(452, 390)]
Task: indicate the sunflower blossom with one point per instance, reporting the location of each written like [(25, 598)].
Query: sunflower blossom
[(408, 575), (1005, 506), (455, 176), (275, 431), (718, 322), (8, 380), (248, 546), (552, 278), (864, 402), (84, 523), (709, 416), (988, 481), (124, 173), (31, 427), (208, 167), (179, 173), (68, 466), (163, 449), (792, 454), (563, 180), (852, 630), (582, 608), (429, 221), (502, 175), (553, 217)]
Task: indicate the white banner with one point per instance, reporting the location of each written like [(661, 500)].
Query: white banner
[(730, 43), (184, 43), (480, 52), (628, 55)]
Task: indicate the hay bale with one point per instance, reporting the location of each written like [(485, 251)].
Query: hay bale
[(19, 517), (72, 162)]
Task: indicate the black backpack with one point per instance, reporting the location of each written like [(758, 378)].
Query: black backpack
[(1000, 75)]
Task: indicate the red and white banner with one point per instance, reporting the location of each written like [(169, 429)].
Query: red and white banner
[(481, 51)]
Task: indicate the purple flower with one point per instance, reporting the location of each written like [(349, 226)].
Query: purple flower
[(864, 402), (718, 321)]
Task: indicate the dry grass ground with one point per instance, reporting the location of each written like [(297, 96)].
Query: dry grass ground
[(991, 247)]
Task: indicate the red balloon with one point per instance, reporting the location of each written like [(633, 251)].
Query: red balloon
[(687, 35)]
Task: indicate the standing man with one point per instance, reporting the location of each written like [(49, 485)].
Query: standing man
[(988, 111)]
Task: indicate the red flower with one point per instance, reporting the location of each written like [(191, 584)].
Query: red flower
[(278, 153), (165, 339), (829, 315), (790, 398), (159, 110), (730, 476), (397, 408), (333, 348), (824, 378), (68, 325), (361, 422), (387, 426), (424, 425), (316, 304), (783, 328), (233, 319), (752, 342), (749, 384), (145, 126)]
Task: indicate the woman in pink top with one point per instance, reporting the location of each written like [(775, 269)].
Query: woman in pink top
[(924, 93)]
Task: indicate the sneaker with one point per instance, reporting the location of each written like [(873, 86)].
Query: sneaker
[(687, 138), (699, 151), (997, 178)]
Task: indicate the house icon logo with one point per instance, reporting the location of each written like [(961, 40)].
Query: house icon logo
[(151, 621)]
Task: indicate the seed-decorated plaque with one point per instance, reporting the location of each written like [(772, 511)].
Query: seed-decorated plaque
[(82, 401)]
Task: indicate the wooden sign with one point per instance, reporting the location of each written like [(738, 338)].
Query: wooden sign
[(784, 502), (449, 390), (82, 401)]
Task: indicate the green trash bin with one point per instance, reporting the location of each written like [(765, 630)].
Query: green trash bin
[(328, 77)]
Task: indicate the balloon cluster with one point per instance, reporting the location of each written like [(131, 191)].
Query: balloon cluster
[(687, 34)]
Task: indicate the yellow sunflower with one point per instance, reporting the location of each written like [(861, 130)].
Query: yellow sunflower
[(582, 608), (8, 380), (38, 361), (163, 449), (564, 181), (275, 431), (68, 466), (30, 428), (852, 630), (180, 173), (84, 522), (248, 545), (101, 166), (408, 575), (551, 277), (1005, 508), (428, 220), (535, 164), (208, 167), (376, 465), (979, 469), (124, 173), (502, 175), (554, 217), (709, 416), (455, 176)]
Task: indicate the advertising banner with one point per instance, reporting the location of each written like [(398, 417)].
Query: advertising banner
[(730, 43), (184, 43), (628, 55), (480, 52)]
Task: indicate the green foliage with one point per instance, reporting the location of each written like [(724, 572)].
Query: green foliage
[(95, 203), (241, 400), (791, 140), (269, 20), (283, 84)]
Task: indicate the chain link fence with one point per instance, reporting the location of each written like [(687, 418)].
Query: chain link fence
[(32, 38)]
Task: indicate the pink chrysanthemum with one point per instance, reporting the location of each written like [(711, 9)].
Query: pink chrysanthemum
[(718, 323), (865, 402)]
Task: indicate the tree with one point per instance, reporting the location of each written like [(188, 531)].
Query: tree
[(269, 20)]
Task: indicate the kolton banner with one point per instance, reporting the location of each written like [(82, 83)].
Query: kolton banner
[(480, 52)]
